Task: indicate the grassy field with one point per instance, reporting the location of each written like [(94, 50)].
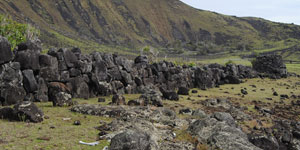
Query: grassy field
[(56, 134), (64, 135)]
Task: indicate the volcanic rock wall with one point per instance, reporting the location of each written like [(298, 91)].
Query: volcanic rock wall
[(63, 74)]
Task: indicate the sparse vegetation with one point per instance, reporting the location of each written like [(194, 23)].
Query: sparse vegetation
[(16, 32)]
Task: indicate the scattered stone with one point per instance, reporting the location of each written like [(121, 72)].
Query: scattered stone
[(275, 94), (284, 96), (269, 99), (194, 91), (244, 92), (77, 123)]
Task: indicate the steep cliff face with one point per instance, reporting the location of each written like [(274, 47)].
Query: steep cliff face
[(146, 22)]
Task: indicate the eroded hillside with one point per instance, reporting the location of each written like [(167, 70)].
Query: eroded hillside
[(134, 23)]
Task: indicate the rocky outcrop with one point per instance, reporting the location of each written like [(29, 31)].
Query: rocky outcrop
[(271, 65), (221, 132)]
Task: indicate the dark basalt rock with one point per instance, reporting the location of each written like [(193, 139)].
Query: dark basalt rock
[(29, 81), (42, 92), (204, 78), (270, 64), (28, 111), (28, 59), (170, 95), (183, 91), (264, 142), (5, 51), (12, 94)]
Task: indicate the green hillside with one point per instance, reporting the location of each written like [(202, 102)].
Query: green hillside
[(168, 24)]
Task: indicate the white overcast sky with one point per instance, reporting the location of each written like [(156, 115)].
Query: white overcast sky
[(287, 11)]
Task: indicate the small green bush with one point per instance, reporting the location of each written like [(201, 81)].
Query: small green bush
[(15, 32)]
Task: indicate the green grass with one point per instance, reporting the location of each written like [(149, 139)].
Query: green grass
[(295, 68), (25, 136)]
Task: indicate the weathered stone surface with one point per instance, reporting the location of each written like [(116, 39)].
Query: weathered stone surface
[(49, 68), (131, 140), (5, 51), (80, 88), (59, 94), (42, 92), (28, 111), (23, 111), (204, 78), (28, 60), (69, 57), (11, 83), (220, 135), (264, 142), (29, 81)]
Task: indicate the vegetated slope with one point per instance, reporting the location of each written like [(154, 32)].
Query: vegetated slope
[(135, 23)]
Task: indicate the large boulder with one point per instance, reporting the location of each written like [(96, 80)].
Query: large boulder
[(270, 64), (219, 134), (100, 70), (29, 81), (69, 57), (59, 94), (28, 111), (80, 88), (11, 84), (49, 68), (42, 92), (5, 51), (131, 140), (204, 78), (169, 95), (28, 59)]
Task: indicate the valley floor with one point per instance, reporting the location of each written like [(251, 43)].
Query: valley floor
[(58, 132)]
